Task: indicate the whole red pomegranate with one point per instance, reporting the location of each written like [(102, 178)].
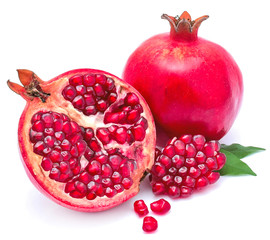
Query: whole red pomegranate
[(191, 85), (86, 137)]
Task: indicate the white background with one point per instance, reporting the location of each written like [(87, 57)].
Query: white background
[(51, 37)]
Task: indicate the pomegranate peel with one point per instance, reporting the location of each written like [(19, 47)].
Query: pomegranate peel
[(192, 85), (62, 153)]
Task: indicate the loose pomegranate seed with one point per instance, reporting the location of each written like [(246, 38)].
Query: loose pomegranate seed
[(140, 208), (161, 206), (186, 163), (150, 224)]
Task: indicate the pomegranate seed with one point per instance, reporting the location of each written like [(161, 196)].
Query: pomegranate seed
[(90, 110), (80, 89), (112, 98), (221, 160), (69, 93), (46, 164), (200, 157), (55, 156), (116, 177), (164, 160), (36, 117), (59, 136), (54, 174), (110, 192), (190, 150), (88, 134), (106, 182), (66, 128), (89, 80), (143, 122), (127, 183), (47, 119), (199, 141), (121, 135), (213, 177), (138, 132), (140, 208), (131, 99), (35, 136), (201, 182), (101, 79), (114, 161), (178, 161), (158, 169), (76, 80), (149, 224), (39, 147), (190, 162), (124, 170), (209, 149), (186, 138), (211, 163), (158, 188), (169, 151), (66, 145), (102, 158), (89, 99), (79, 102), (94, 145), (174, 191), (161, 206), (179, 147), (57, 125), (38, 126), (99, 90), (94, 167), (109, 84), (119, 188), (106, 170)]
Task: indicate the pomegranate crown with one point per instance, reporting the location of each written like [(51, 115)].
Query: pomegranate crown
[(182, 27)]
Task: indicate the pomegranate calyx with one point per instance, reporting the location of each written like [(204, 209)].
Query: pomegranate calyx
[(182, 27), (31, 86)]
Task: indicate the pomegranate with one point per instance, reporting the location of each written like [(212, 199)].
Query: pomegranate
[(192, 85), (86, 137)]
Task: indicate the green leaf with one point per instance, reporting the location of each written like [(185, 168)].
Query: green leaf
[(234, 166), (241, 151)]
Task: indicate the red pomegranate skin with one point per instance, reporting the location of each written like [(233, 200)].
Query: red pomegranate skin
[(192, 85)]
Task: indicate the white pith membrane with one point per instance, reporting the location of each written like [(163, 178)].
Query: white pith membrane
[(143, 153)]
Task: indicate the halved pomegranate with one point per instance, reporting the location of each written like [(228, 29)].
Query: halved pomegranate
[(86, 137)]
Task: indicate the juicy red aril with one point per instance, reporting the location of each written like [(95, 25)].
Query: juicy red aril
[(140, 208), (62, 153), (149, 224), (90, 93), (161, 206), (184, 164)]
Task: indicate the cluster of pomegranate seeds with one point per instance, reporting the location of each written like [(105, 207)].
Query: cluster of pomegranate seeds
[(60, 141), (185, 164), (63, 143), (104, 175), (90, 93)]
